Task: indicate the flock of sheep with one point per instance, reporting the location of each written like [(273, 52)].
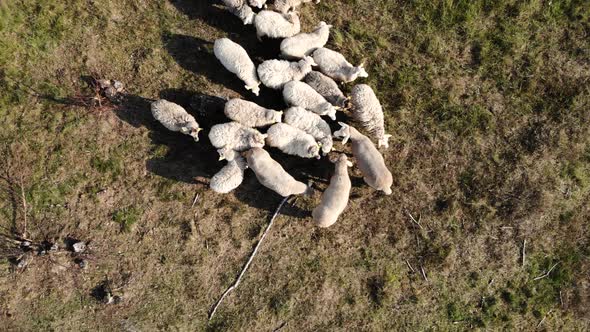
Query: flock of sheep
[(300, 130)]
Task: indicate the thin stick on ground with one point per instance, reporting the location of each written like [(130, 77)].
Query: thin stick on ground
[(548, 272), (423, 273), (195, 200), (542, 320), (235, 285), (523, 252)]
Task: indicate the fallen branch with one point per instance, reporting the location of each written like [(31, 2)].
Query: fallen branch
[(548, 272), (235, 285)]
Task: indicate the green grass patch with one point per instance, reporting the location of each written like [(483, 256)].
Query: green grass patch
[(127, 217)]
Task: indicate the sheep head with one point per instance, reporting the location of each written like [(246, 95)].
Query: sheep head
[(384, 141), (255, 88), (343, 133), (256, 140)]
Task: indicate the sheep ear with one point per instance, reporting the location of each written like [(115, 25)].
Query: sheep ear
[(248, 87), (345, 140), (264, 136), (343, 125), (184, 130), (349, 163)]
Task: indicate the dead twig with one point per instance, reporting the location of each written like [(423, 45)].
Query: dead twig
[(232, 287), (423, 273), (414, 220), (195, 200), (548, 272), (542, 320), (410, 266)]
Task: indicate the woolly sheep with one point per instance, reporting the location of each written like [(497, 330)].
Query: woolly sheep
[(368, 159), (303, 44), (175, 118), (335, 65), (276, 25), (326, 87), (230, 176), (257, 3), (271, 175), (235, 59), (251, 114), (300, 94), (232, 136), (284, 6), (312, 124), (240, 9), (276, 73), (367, 111), (335, 198), (292, 141)]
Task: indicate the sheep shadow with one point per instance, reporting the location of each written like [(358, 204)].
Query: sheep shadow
[(213, 14), (186, 160)]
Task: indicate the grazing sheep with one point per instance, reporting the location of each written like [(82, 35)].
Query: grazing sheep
[(367, 111), (326, 87), (232, 136), (235, 59), (251, 114), (276, 25), (292, 141), (335, 198), (230, 176), (312, 124), (284, 6), (276, 73), (175, 118), (240, 9), (257, 3), (300, 94), (368, 159), (303, 44), (335, 65), (271, 175)]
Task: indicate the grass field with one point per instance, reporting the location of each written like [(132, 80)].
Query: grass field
[(489, 106)]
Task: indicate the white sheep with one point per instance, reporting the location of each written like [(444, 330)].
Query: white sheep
[(276, 25), (284, 6), (271, 175), (335, 197), (175, 118), (276, 73), (235, 59), (300, 94), (335, 65), (326, 87), (368, 159), (303, 44), (251, 114), (312, 124), (292, 141), (230, 176), (240, 9), (257, 3), (367, 111), (232, 136)]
